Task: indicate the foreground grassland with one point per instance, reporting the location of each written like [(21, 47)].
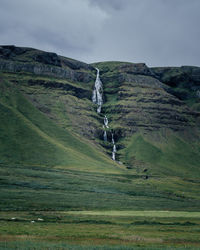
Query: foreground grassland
[(107, 230), (83, 210)]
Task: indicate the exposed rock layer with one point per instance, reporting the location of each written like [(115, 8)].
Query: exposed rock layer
[(136, 97)]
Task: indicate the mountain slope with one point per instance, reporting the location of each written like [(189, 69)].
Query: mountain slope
[(31, 138), (52, 142), (154, 129)]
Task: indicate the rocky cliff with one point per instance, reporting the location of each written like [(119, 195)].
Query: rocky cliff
[(14, 59)]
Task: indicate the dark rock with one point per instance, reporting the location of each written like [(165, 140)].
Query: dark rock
[(82, 76), (106, 145), (118, 133), (44, 63), (192, 72), (76, 65), (174, 76), (48, 58), (43, 69), (129, 167), (10, 51), (78, 92), (99, 133), (136, 69)]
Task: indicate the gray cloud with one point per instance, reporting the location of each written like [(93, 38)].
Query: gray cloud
[(67, 27), (111, 4), (157, 32)]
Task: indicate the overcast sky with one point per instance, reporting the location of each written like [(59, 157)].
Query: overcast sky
[(157, 32)]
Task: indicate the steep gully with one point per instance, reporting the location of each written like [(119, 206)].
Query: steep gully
[(97, 98)]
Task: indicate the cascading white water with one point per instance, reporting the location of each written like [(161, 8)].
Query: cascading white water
[(97, 96), (114, 148), (106, 121), (113, 156), (113, 141), (105, 136), (114, 152)]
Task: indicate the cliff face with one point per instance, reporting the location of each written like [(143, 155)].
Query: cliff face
[(151, 102), (14, 59), (184, 82), (142, 98)]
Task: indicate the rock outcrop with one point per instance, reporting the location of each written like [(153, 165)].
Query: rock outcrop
[(145, 100), (74, 90), (14, 59)]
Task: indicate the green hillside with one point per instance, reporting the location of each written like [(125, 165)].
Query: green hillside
[(55, 164), (50, 122), (28, 137), (174, 157)]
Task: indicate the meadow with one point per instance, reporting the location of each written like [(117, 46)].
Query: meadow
[(100, 230)]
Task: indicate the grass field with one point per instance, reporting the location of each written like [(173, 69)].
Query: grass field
[(107, 230), (154, 214)]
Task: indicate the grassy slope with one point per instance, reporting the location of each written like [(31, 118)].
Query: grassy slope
[(174, 157), (32, 138)]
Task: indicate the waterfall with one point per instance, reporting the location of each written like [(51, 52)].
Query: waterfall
[(114, 152), (113, 141), (97, 96), (113, 156), (105, 136), (106, 121), (114, 148)]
